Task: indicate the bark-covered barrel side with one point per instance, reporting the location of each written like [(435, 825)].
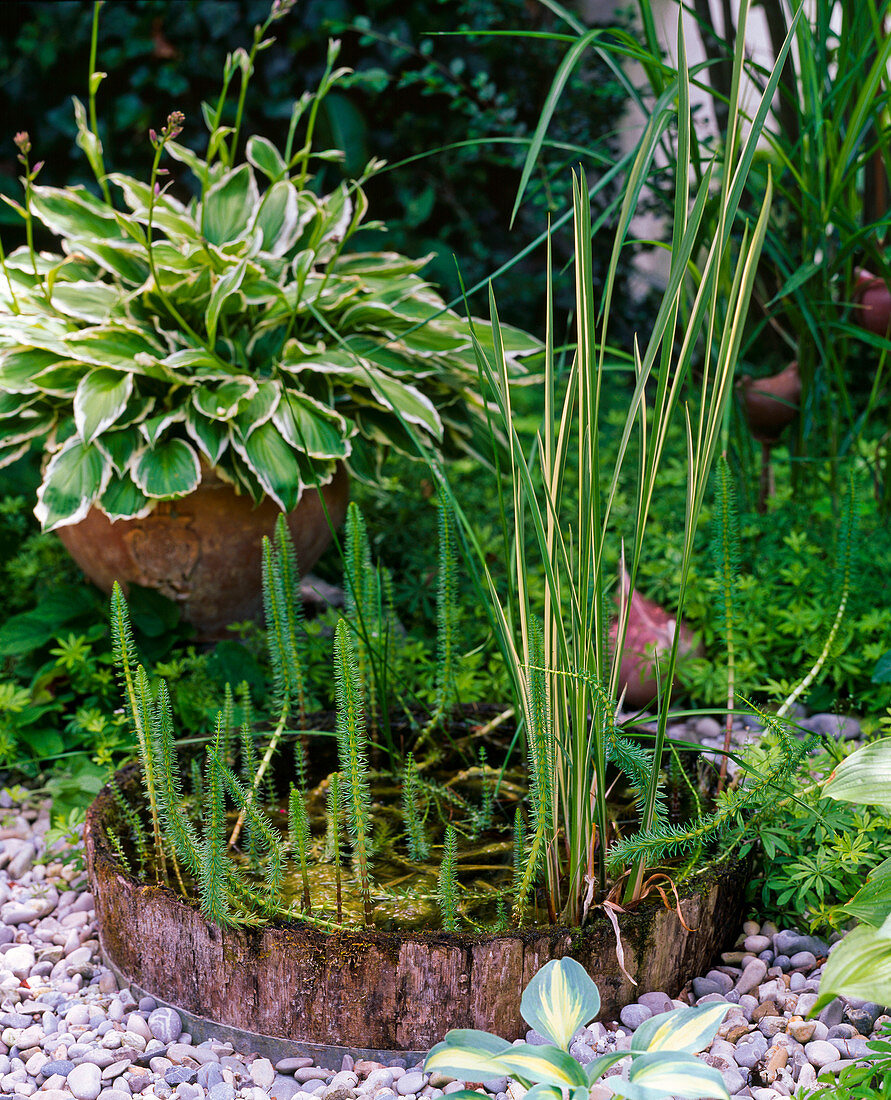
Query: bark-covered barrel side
[(379, 989)]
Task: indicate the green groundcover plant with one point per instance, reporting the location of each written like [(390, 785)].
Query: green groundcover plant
[(235, 329)]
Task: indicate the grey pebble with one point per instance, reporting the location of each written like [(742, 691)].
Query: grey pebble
[(633, 1016), (61, 1066), (178, 1074), (789, 942), (85, 1081), (820, 1053), (289, 1065), (284, 1088), (209, 1075), (410, 1082), (222, 1091), (165, 1025), (832, 1013), (655, 1002), (308, 1073), (752, 976)]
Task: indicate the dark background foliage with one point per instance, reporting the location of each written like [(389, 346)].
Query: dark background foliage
[(413, 90)]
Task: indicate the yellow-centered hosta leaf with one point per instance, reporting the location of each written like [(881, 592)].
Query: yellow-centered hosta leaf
[(683, 1029), (560, 998)]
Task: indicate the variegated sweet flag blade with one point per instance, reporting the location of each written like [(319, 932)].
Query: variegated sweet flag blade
[(657, 1076), (543, 1064), (560, 998), (467, 1054), (683, 1029)]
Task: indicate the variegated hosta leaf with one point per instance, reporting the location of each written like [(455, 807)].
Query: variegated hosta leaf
[(311, 427), (224, 288), (859, 967), (168, 470), (116, 346), (264, 156), (467, 1054), (278, 218), (872, 903), (273, 463), (191, 363), (75, 476), (120, 447), (684, 1029), (560, 999), (545, 1064), (257, 409), (19, 365), (657, 1076), (864, 777), (154, 427), (549, 1092), (596, 1069), (228, 205), (211, 436), (73, 212), (87, 301), (123, 500), (101, 397), (412, 405), (222, 402)]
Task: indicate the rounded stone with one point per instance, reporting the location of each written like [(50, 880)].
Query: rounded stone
[(820, 1053), (165, 1025), (656, 1002), (222, 1091), (633, 1016), (752, 976), (411, 1082), (263, 1072), (803, 960), (756, 944), (85, 1081)]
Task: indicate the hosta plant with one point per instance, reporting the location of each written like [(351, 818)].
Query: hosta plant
[(236, 328), (559, 1000)]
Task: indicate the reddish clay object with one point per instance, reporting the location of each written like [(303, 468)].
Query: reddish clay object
[(874, 300), (771, 403), (648, 636), (203, 551)]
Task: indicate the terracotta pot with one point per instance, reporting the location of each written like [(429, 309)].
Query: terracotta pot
[(286, 989), (203, 551), (771, 403), (874, 299), (648, 637)]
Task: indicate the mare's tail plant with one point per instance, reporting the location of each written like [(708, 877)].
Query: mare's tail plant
[(285, 640), (352, 748), (446, 621), (418, 846), (448, 882), (299, 839), (333, 809), (137, 705), (842, 585), (725, 552), (540, 749), (362, 600)]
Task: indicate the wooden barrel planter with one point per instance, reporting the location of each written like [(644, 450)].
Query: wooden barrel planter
[(288, 989)]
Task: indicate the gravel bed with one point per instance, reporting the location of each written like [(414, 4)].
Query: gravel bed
[(67, 1030)]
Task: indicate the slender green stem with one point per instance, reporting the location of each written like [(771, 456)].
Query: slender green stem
[(93, 88)]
